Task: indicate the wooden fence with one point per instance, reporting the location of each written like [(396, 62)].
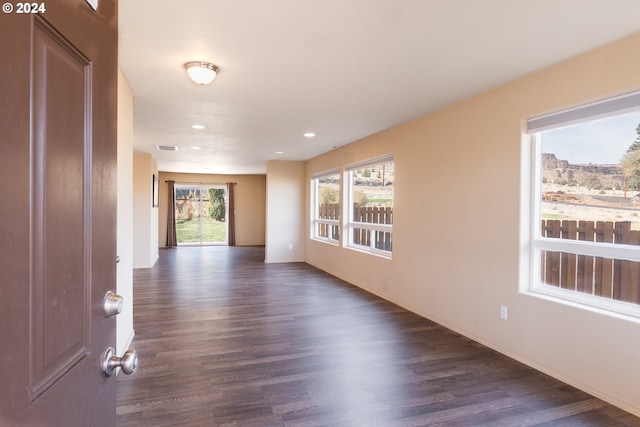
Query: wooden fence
[(608, 278), (368, 214), (329, 211), (374, 215), (188, 208)]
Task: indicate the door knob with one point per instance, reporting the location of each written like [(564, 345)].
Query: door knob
[(112, 304), (128, 362)]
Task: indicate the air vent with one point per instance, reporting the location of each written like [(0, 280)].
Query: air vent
[(167, 147)]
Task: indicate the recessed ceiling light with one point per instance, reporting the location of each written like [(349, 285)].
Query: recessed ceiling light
[(309, 134), (195, 148), (197, 126), (279, 152)]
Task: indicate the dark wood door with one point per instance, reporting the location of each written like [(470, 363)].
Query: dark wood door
[(58, 95)]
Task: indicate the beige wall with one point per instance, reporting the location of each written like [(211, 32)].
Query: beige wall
[(250, 200), (145, 217), (285, 211), (458, 215), (125, 214)]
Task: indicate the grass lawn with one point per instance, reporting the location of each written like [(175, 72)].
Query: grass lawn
[(188, 231)]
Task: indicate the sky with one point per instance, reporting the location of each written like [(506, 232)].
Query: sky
[(602, 141)]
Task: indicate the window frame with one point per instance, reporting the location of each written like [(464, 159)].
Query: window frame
[(350, 224), (315, 220), (538, 243)]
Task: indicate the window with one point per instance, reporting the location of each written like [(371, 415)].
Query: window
[(370, 221), (325, 190), (200, 214), (586, 205)]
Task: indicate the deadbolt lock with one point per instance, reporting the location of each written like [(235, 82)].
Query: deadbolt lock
[(112, 304)]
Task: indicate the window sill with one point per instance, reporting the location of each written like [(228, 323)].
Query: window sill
[(366, 250), (325, 241), (611, 308)]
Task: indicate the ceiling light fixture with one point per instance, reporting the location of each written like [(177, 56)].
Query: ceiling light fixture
[(197, 127), (201, 73), (309, 134)]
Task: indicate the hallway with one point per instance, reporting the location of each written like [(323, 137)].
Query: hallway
[(227, 340)]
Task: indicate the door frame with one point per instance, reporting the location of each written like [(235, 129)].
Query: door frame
[(205, 186)]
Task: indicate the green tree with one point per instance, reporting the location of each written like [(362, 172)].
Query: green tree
[(631, 163), (217, 204)]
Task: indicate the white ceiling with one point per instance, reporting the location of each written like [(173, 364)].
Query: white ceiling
[(343, 69)]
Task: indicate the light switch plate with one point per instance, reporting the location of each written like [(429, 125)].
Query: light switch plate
[(93, 3)]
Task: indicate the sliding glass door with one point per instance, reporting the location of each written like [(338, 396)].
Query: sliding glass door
[(201, 212)]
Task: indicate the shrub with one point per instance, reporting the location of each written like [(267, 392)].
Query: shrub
[(360, 198), (328, 195), (592, 182), (217, 205)]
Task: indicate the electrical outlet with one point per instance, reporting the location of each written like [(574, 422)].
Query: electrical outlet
[(503, 312)]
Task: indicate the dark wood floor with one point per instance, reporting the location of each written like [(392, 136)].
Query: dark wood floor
[(226, 340)]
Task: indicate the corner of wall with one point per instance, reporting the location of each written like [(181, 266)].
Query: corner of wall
[(285, 217), (145, 216)]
